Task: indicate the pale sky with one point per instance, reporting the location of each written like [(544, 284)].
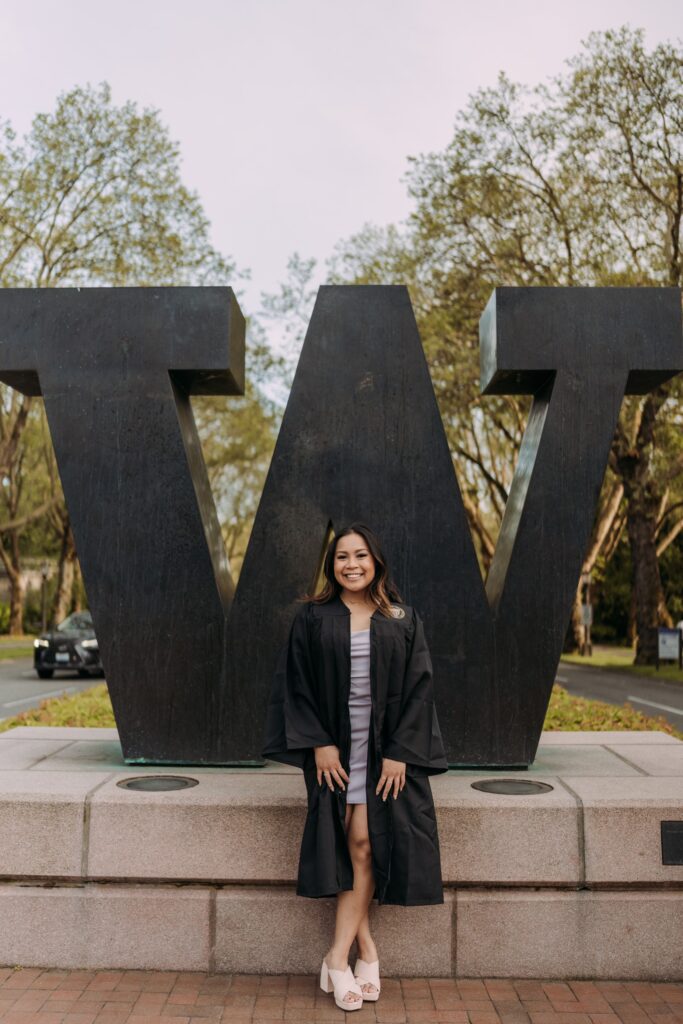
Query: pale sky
[(295, 117)]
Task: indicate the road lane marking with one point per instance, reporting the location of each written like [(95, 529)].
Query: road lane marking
[(661, 707), (561, 679), (38, 696)]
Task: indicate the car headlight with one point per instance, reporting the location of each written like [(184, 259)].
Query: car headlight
[(39, 642), (89, 643)]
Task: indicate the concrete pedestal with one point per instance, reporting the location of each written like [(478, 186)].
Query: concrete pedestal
[(567, 883)]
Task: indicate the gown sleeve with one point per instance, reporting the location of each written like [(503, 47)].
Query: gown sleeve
[(293, 725), (416, 738)]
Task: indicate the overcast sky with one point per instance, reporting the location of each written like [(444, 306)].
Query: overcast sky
[(295, 117)]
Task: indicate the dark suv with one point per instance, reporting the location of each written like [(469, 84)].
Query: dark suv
[(71, 646)]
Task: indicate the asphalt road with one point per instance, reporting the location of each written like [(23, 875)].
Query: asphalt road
[(21, 689), (651, 696)]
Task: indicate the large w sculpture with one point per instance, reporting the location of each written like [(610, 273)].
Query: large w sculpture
[(189, 657)]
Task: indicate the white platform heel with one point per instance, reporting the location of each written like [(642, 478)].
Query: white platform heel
[(365, 972), (341, 982)]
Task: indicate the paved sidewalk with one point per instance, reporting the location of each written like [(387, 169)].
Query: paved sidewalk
[(35, 996)]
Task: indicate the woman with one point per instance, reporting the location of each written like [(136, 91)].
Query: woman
[(352, 705)]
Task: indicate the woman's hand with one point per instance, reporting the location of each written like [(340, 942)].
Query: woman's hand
[(393, 776), (327, 764)]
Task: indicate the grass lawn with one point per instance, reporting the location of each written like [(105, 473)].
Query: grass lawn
[(89, 707), (621, 659), (10, 653), (15, 647), (93, 707)]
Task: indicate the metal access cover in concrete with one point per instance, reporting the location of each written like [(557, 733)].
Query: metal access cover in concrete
[(157, 783), (512, 787)]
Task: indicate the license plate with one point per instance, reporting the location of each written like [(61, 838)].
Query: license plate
[(61, 657)]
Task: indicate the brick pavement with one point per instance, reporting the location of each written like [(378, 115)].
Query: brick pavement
[(37, 996)]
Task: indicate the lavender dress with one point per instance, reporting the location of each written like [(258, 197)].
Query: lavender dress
[(360, 706)]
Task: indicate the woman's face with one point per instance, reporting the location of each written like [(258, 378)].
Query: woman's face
[(354, 566)]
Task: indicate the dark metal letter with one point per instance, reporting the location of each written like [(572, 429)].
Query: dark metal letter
[(189, 667), (116, 367)]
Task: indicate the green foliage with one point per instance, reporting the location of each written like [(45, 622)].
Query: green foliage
[(571, 714), (94, 196), (89, 708), (291, 306), (574, 182), (93, 708), (12, 653), (671, 568), (611, 595), (612, 591), (237, 435)]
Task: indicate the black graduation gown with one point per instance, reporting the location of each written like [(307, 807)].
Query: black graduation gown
[(308, 707)]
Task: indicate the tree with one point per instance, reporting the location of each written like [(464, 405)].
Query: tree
[(238, 437), (94, 196), (579, 182), (26, 494)]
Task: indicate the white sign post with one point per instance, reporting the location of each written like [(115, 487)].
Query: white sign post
[(668, 645)]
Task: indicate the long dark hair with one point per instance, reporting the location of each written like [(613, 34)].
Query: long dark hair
[(382, 590)]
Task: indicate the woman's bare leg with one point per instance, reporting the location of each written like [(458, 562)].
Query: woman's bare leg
[(352, 905), (367, 950)]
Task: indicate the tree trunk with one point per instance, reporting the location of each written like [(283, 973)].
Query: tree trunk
[(63, 595), (603, 528), (78, 587), (650, 604), (12, 564), (632, 461), (632, 632), (576, 624)]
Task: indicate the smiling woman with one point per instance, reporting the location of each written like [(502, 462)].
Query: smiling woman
[(352, 705)]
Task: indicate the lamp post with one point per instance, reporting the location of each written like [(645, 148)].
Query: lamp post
[(43, 594)]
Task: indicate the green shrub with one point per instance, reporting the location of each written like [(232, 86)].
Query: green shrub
[(91, 707), (566, 713), (570, 714)]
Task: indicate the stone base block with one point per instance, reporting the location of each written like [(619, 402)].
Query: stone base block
[(554, 934), (270, 930), (567, 883), (289, 934), (100, 926)]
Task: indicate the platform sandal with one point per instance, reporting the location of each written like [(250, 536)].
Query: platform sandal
[(341, 982), (364, 973)]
